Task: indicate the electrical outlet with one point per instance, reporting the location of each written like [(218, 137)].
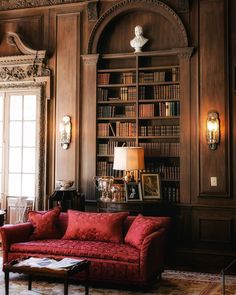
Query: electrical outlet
[(213, 181)]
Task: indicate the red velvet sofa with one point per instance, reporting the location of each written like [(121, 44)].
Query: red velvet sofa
[(111, 262)]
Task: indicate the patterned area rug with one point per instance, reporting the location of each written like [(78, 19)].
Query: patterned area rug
[(172, 283)]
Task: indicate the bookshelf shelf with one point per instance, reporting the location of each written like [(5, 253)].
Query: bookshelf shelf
[(116, 102), (158, 68), (139, 104), (116, 119), (157, 83), (116, 85), (116, 137), (156, 100), (158, 137), (159, 118), (117, 70)]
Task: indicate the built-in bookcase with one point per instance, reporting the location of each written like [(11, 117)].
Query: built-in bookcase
[(138, 104)]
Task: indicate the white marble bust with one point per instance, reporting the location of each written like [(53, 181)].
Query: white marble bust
[(138, 41)]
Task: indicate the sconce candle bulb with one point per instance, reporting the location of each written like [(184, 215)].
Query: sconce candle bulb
[(213, 130), (65, 132)]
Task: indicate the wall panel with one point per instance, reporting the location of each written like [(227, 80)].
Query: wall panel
[(67, 69), (213, 65)]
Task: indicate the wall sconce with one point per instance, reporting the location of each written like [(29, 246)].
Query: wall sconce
[(213, 130), (65, 132)]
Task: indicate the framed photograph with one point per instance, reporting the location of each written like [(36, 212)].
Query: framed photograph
[(150, 186), (133, 191)]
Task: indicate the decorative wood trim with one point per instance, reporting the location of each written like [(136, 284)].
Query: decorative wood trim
[(16, 4), (92, 11), (27, 68), (90, 59), (14, 40), (202, 222), (182, 5), (132, 5)]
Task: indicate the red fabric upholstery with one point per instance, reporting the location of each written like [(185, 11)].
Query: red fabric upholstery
[(107, 227), (45, 224), (140, 229), (101, 250), (116, 263)]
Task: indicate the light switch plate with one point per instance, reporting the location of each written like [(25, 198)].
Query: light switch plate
[(213, 181)]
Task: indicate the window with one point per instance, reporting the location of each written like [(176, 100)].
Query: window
[(19, 124)]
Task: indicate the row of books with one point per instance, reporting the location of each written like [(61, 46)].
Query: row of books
[(116, 78), (168, 75), (103, 78), (163, 130), (108, 148), (122, 129), (128, 93), (106, 168), (160, 109), (170, 194), (116, 111), (166, 172), (128, 78), (171, 75), (168, 149), (166, 92)]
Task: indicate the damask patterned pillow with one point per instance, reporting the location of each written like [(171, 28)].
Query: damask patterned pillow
[(140, 229), (103, 227), (45, 224)]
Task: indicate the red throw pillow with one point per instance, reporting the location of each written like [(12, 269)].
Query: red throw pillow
[(45, 224), (103, 227), (139, 230)]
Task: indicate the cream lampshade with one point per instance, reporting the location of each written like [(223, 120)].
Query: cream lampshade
[(128, 158)]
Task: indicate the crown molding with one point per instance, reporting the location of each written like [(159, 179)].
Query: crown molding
[(180, 5), (17, 4)]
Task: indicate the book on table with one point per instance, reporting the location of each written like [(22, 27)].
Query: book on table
[(49, 263)]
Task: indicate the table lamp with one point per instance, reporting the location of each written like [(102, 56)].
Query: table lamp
[(128, 159)]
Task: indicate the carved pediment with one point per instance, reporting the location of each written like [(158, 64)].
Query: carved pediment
[(28, 67)]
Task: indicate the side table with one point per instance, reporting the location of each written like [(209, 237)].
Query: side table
[(65, 274), (67, 199)]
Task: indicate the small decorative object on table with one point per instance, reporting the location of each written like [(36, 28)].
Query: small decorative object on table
[(150, 186), (104, 185), (133, 191), (65, 184)]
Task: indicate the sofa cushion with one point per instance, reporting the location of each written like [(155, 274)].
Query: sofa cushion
[(45, 224), (139, 229), (75, 248), (87, 226)]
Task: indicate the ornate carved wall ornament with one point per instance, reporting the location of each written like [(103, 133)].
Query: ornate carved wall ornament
[(16, 4), (92, 10), (29, 67), (132, 5)]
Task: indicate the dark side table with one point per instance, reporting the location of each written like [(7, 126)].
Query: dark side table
[(65, 274), (67, 199)]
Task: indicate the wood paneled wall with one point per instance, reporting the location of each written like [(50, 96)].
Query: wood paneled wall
[(206, 222)]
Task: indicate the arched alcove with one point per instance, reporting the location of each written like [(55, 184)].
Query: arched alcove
[(115, 28)]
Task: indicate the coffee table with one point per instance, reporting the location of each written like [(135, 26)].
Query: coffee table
[(65, 274)]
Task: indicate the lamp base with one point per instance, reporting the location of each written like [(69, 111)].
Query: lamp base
[(129, 177)]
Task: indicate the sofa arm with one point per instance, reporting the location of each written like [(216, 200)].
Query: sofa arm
[(152, 255), (14, 234)]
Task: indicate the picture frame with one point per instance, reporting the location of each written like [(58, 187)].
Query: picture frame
[(133, 191), (150, 186)]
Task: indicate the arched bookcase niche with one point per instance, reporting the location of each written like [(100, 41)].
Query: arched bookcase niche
[(118, 80), (115, 28)]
